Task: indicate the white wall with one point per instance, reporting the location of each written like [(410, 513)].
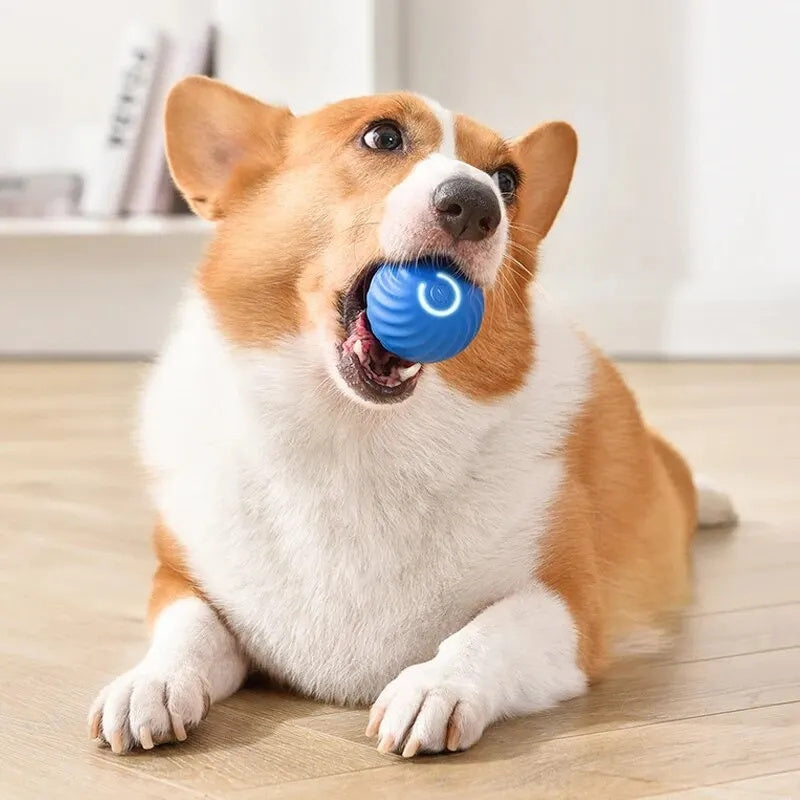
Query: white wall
[(677, 236), (306, 53), (743, 198), (57, 72)]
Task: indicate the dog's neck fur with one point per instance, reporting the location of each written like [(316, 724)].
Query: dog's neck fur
[(286, 396)]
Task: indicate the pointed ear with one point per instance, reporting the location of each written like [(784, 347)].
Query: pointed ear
[(219, 141), (547, 156)]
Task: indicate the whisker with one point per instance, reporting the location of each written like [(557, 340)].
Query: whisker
[(423, 247), (522, 228), (493, 311), (515, 261), (504, 287), (532, 253), (507, 287), (359, 225)]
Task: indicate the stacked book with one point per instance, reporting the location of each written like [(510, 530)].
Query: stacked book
[(39, 194), (130, 175)]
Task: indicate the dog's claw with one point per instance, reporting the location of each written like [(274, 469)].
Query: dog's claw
[(178, 728), (116, 742), (412, 747), (146, 738), (375, 717)]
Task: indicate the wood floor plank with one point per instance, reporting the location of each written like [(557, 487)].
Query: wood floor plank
[(783, 786), (750, 630), (235, 751), (75, 777), (43, 742), (635, 694), (737, 423), (613, 764), (779, 585), (731, 552), (44, 712)]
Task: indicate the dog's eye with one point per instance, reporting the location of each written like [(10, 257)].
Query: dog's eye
[(383, 136), (506, 180)]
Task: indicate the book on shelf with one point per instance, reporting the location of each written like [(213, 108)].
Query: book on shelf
[(139, 66), (151, 190), (39, 194), (130, 174)]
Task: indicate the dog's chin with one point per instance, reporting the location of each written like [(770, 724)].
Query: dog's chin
[(358, 381)]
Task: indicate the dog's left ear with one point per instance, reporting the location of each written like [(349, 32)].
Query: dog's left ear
[(547, 157), (220, 142)]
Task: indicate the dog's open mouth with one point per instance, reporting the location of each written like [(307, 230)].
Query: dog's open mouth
[(369, 369)]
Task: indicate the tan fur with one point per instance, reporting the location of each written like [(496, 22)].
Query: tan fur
[(481, 146), (547, 155), (172, 579), (617, 550), (501, 355)]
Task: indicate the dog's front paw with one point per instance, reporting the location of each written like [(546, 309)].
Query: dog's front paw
[(427, 709), (147, 706)]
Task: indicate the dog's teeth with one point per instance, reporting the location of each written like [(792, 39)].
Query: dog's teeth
[(358, 349), (409, 372)]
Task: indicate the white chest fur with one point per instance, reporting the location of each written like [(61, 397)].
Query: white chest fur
[(343, 543)]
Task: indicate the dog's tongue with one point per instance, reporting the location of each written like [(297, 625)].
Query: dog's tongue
[(382, 366), (361, 332)]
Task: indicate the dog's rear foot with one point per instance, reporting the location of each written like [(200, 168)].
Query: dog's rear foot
[(714, 507)]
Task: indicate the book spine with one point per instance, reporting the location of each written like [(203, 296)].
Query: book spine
[(39, 194), (151, 190), (108, 180)]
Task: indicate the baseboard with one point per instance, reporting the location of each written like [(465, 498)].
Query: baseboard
[(693, 321)]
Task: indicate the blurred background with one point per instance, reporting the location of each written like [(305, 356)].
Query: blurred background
[(677, 240)]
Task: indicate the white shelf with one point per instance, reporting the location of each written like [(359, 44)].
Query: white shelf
[(178, 224)]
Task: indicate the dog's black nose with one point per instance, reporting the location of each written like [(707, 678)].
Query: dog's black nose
[(466, 208)]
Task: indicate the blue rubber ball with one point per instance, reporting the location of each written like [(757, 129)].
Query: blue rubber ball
[(423, 310)]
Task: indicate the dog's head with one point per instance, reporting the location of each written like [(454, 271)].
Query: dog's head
[(308, 205)]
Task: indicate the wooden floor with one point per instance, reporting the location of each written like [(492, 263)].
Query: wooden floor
[(720, 710)]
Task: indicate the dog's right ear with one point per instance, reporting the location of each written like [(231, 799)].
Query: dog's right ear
[(220, 142)]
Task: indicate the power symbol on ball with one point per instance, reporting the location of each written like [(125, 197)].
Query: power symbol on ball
[(440, 295)]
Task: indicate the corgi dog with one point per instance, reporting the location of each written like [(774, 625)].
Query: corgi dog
[(450, 543)]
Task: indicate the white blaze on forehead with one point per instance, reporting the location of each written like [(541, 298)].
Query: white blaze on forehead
[(447, 122), (410, 227)]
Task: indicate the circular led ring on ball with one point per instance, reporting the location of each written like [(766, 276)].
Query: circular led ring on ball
[(440, 312)]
